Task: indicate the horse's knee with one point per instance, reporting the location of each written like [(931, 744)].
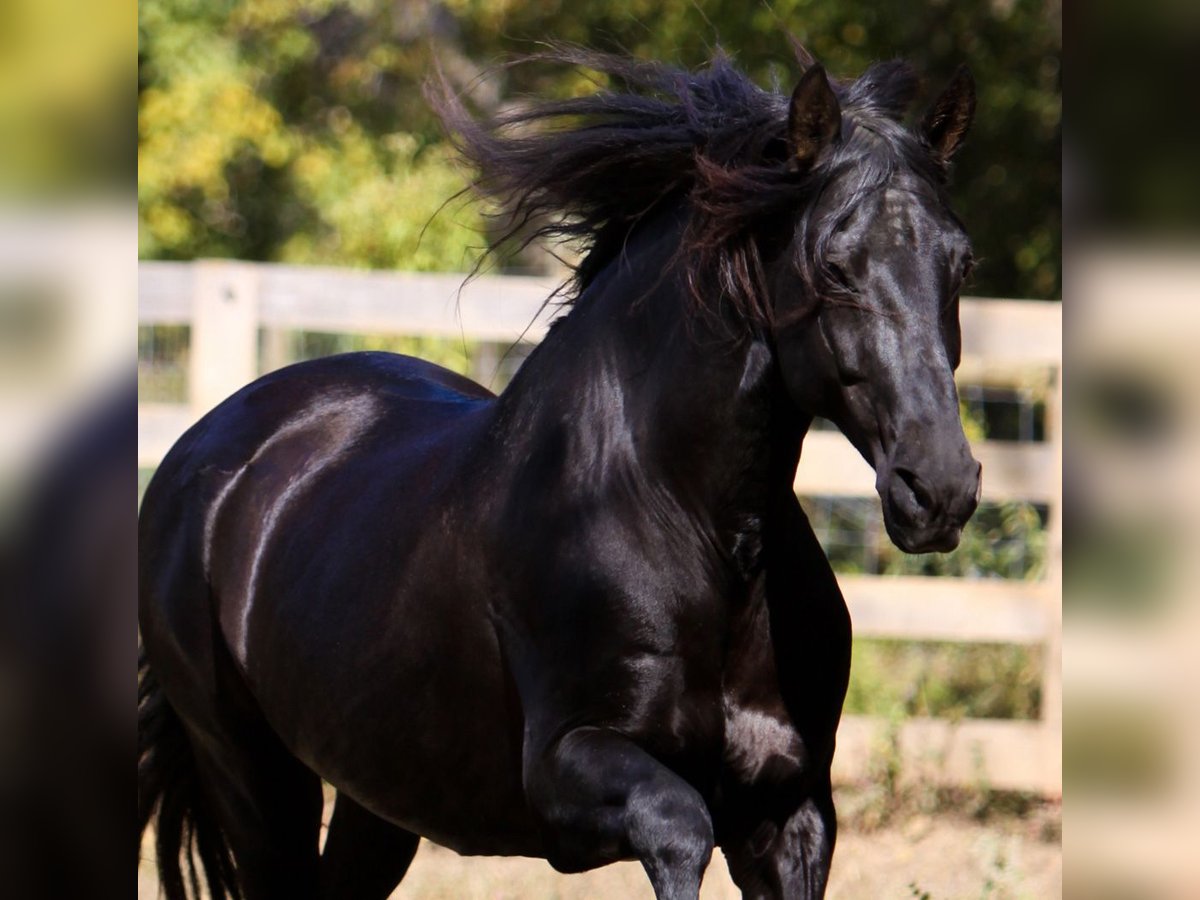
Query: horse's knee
[(670, 830), (804, 851), (786, 855), (601, 798)]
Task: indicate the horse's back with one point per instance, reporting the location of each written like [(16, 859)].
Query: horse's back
[(339, 392), (283, 430)]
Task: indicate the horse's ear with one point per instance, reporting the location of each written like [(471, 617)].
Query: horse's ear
[(814, 117), (948, 120)]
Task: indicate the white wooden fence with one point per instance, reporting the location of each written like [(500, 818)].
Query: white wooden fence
[(1004, 342)]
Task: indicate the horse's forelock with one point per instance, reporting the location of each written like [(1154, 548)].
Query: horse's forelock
[(885, 89)]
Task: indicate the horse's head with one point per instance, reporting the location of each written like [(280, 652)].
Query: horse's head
[(866, 300)]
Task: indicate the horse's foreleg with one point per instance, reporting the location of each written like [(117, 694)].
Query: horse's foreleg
[(601, 798), (788, 860)]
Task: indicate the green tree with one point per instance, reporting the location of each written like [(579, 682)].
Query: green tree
[(296, 130)]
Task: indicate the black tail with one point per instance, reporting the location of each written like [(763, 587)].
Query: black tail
[(169, 790)]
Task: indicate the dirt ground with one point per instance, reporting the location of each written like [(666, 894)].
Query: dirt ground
[(944, 857)]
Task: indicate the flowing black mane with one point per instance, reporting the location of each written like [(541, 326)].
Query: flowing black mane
[(588, 169)]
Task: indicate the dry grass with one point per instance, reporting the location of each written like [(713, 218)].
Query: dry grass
[(945, 857)]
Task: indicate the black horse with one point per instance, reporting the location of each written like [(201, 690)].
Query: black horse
[(586, 619)]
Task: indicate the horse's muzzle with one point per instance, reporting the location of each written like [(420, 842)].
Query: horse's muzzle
[(925, 512)]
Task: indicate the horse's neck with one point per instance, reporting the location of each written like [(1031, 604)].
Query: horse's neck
[(636, 381)]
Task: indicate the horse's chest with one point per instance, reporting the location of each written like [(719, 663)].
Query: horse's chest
[(760, 741), (761, 744)]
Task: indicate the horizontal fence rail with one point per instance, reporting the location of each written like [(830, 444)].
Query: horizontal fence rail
[(1004, 342), (1009, 333)]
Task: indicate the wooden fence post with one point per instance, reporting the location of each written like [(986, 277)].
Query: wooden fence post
[(276, 349), (224, 346)]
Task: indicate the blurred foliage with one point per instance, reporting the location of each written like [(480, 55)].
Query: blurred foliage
[(1122, 181), (945, 680), (1126, 569), (279, 130), (64, 70), (1006, 540), (296, 130), (1118, 747)]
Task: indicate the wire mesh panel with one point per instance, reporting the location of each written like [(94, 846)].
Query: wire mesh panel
[(163, 354)]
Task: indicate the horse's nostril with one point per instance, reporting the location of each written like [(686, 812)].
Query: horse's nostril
[(910, 481)]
